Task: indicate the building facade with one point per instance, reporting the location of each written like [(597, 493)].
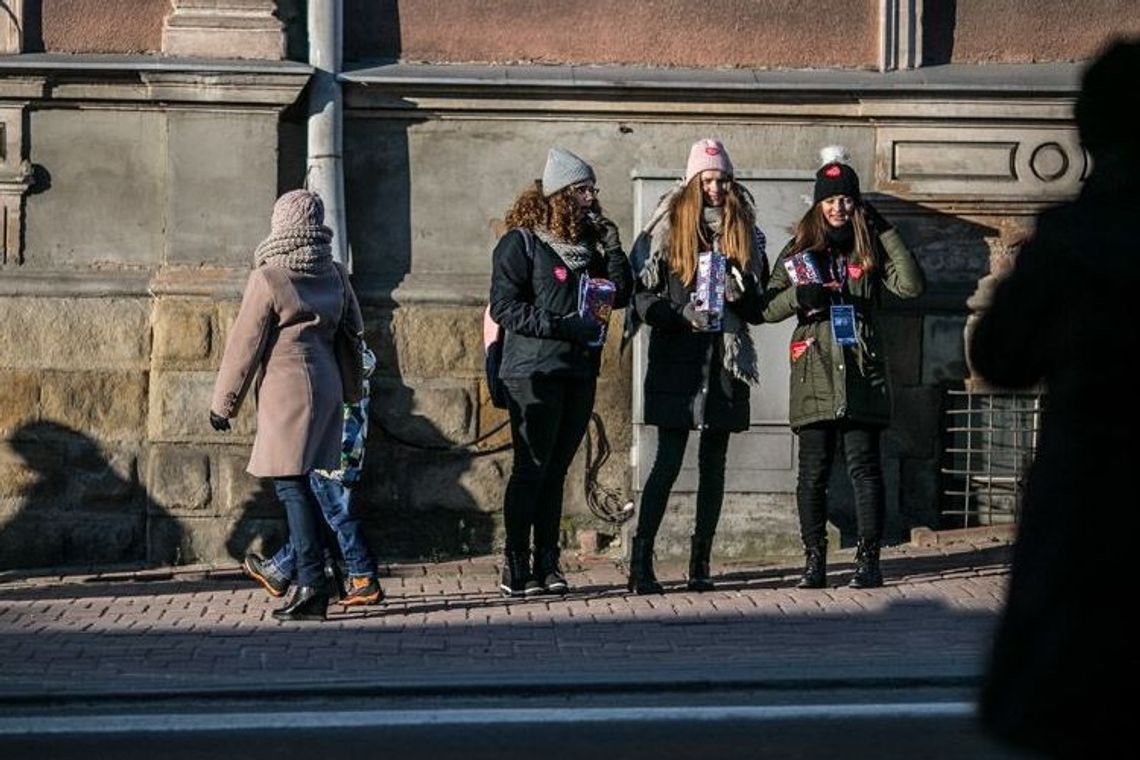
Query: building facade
[(144, 142)]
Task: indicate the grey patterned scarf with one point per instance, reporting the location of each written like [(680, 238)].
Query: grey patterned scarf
[(576, 256)]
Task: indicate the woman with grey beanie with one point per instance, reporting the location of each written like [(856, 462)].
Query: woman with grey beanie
[(294, 301), (551, 352)]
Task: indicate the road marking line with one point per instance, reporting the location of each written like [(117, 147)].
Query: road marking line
[(315, 719)]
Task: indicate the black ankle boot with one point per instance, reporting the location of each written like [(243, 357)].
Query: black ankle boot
[(334, 578), (516, 578), (641, 577), (815, 566), (867, 572), (307, 603), (547, 572), (699, 551)]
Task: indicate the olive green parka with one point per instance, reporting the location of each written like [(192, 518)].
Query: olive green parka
[(829, 381)]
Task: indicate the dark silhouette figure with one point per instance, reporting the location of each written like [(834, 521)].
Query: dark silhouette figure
[(1062, 661), (81, 504)]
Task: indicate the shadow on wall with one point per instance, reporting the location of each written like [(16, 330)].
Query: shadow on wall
[(71, 500)]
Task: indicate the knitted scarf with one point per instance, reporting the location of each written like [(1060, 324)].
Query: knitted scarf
[(739, 349), (575, 256), (302, 249)]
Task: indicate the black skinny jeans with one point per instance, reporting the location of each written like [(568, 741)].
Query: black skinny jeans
[(667, 465), (818, 444), (549, 416)]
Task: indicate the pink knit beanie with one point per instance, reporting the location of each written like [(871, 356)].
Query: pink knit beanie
[(707, 154)]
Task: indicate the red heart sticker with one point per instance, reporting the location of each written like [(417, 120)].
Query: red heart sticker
[(832, 171), (712, 150), (854, 271), (561, 273)]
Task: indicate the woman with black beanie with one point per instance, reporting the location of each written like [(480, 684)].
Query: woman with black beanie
[(831, 276)]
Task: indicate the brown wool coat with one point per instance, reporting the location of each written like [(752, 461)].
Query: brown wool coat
[(283, 336)]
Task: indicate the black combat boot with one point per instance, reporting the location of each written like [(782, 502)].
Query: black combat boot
[(641, 577), (547, 572), (699, 551), (307, 603), (867, 572), (815, 566), (516, 579)]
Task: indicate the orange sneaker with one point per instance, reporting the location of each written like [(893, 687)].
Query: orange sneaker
[(362, 591)]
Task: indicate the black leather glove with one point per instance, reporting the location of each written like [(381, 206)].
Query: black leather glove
[(578, 329), (875, 220), (697, 318), (218, 422), (608, 234), (812, 295)]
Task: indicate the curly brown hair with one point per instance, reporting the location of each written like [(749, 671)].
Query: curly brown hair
[(811, 235), (558, 214), (687, 234)]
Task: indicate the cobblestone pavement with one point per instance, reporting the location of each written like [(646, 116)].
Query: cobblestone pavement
[(444, 627)]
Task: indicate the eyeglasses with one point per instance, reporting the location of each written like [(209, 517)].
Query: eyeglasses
[(586, 189)]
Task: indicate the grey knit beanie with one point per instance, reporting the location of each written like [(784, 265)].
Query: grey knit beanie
[(563, 169), (297, 210)]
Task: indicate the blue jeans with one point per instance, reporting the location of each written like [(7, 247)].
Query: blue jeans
[(302, 512), (335, 501)]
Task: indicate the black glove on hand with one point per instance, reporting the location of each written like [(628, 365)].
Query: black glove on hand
[(579, 329), (607, 232), (812, 295), (698, 319), (875, 220), (218, 422)]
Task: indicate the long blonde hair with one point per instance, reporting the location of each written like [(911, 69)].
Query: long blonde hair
[(687, 232), (558, 213), (811, 234)]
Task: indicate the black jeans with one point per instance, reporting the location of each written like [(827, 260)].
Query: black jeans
[(303, 513), (549, 416), (666, 466), (818, 443)]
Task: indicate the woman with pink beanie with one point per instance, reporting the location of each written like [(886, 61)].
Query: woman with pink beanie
[(701, 360)]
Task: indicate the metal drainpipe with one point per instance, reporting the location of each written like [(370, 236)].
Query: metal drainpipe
[(324, 172)]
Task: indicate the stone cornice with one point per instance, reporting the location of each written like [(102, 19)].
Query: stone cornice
[(151, 79), (955, 91)]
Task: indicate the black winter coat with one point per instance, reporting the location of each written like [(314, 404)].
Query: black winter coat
[(686, 384), (530, 294)]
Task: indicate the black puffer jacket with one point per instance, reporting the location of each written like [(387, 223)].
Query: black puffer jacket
[(686, 383), (528, 296)]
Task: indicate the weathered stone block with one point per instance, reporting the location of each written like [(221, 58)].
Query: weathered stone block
[(438, 341), (179, 479), (88, 333), (19, 475), (427, 414), (188, 539), (179, 410), (105, 479), (109, 404), (181, 331), (242, 493), (46, 538), (455, 482), (20, 401)]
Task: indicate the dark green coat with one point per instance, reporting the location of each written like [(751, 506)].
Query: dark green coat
[(834, 382)]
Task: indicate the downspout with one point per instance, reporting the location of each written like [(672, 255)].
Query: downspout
[(324, 170)]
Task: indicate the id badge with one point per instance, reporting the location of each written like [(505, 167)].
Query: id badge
[(843, 324)]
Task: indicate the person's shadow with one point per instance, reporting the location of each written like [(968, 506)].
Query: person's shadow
[(76, 502)]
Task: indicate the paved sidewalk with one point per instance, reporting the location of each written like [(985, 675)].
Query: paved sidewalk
[(445, 629)]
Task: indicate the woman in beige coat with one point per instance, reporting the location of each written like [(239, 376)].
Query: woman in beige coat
[(283, 337)]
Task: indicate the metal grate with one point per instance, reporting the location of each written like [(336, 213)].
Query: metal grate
[(991, 439)]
